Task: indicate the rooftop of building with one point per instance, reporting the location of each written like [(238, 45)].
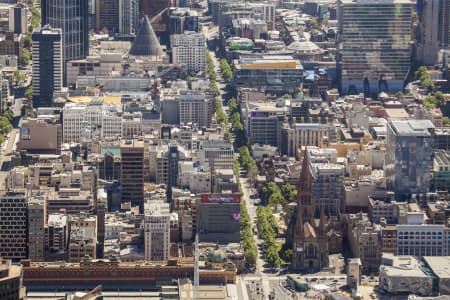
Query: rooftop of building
[(269, 62), (371, 2), (397, 113), (419, 128), (131, 143), (440, 265), (402, 266)]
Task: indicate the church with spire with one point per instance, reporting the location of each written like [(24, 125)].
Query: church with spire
[(309, 237)]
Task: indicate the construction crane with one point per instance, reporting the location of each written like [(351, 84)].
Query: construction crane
[(153, 18)]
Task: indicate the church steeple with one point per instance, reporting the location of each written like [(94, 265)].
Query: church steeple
[(322, 224), (305, 198)]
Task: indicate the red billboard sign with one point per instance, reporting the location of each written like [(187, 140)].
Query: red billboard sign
[(221, 198)]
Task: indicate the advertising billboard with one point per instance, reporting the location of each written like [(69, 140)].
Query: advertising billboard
[(221, 198)]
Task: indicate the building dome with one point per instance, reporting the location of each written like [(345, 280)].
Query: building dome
[(306, 47)]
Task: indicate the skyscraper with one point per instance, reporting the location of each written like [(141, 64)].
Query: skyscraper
[(433, 30), (72, 17), (107, 15), (13, 225), (36, 234), (132, 172), (374, 45), (409, 152), (428, 31), (128, 16), (47, 65), (444, 23)]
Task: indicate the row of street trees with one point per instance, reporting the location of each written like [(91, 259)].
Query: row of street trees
[(211, 72), (274, 195), (5, 124), (225, 69), (268, 229)]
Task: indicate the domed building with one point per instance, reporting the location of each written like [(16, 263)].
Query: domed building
[(305, 50)]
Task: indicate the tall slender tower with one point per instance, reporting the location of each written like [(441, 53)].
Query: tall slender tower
[(72, 17), (444, 23), (47, 65), (428, 31)]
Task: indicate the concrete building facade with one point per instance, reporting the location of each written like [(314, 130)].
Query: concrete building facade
[(13, 225), (189, 49)]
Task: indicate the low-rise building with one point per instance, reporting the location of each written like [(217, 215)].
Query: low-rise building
[(404, 274), (274, 74)]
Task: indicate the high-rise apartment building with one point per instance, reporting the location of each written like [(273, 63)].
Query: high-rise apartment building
[(71, 16), (132, 172), (47, 50), (374, 44), (194, 108), (189, 49), (13, 225), (409, 157), (327, 180), (157, 231), (18, 19), (36, 233)]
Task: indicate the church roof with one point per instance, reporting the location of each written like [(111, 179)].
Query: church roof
[(309, 231), (146, 43)]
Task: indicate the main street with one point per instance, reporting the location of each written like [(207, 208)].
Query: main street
[(9, 145), (261, 284)]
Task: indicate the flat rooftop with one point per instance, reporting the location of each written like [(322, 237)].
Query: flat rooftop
[(403, 266), (420, 128), (440, 265), (371, 2)]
